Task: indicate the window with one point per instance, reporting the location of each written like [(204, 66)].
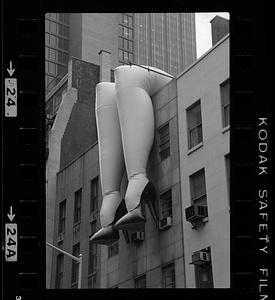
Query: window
[(203, 273), (225, 101), (94, 195), (113, 249), (59, 271), (166, 204), (62, 216), (92, 251), (164, 141), (140, 282), (92, 281), (227, 167), (52, 53), (75, 264), (198, 188), (168, 276), (52, 68), (77, 206), (194, 125)]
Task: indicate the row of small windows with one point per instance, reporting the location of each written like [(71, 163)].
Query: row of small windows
[(57, 28), (56, 42), (167, 273), (194, 120), (168, 278), (127, 20), (125, 44), (197, 194), (125, 32), (125, 56), (194, 124), (55, 55)]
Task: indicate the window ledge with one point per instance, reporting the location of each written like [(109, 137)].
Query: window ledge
[(195, 148), (225, 129)]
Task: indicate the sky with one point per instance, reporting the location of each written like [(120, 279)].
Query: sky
[(203, 30)]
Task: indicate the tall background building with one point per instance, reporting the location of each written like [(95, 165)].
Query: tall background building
[(165, 40), (162, 40)]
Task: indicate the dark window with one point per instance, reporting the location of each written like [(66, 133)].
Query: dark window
[(198, 188), (92, 281), (75, 264), (166, 204), (52, 53), (52, 68), (164, 141), (53, 27), (62, 216), (92, 251), (77, 206), (225, 101), (59, 271), (94, 195), (194, 125), (203, 274), (113, 249), (168, 276), (140, 282)]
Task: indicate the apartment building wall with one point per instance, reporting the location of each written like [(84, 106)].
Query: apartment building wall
[(202, 81), (77, 175)]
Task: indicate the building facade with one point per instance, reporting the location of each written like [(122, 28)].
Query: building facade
[(203, 114), (162, 40), (189, 167), (165, 40)]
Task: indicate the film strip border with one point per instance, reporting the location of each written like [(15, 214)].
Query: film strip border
[(23, 164), (23, 152), (250, 157)]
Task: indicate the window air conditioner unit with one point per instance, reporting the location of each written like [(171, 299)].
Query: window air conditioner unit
[(165, 223), (200, 257), (196, 213), (137, 236)]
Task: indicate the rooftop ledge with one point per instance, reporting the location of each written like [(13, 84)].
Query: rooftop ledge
[(203, 56)]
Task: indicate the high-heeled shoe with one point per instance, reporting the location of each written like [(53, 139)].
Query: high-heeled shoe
[(108, 235), (135, 220)]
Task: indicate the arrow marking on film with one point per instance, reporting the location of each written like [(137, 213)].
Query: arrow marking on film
[(10, 70), (10, 215)]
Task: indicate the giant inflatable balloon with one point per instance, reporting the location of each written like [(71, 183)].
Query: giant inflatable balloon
[(125, 124)]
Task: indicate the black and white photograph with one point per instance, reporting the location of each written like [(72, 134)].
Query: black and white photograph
[(137, 150)]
